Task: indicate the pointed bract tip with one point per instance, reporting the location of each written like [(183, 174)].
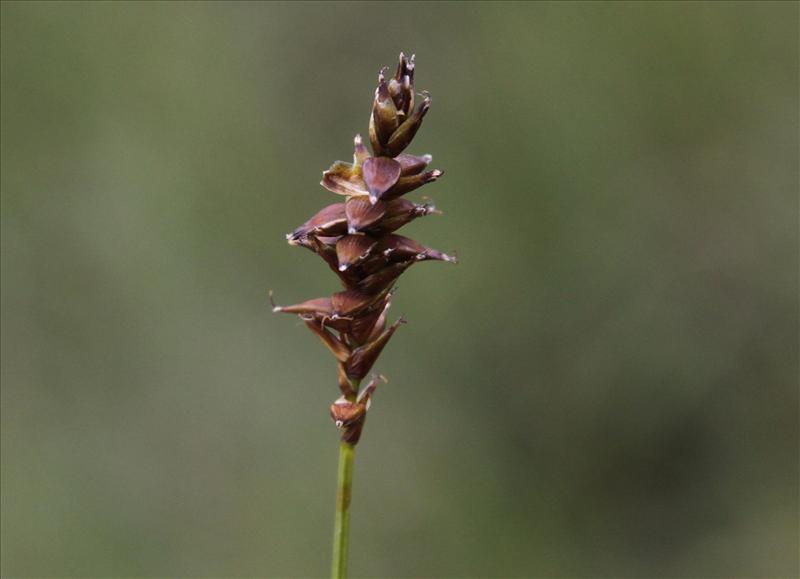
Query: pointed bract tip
[(275, 309), (451, 258), (428, 207)]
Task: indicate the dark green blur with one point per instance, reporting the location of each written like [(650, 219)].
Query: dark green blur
[(606, 386)]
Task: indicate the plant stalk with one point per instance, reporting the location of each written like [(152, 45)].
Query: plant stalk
[(341, 531)]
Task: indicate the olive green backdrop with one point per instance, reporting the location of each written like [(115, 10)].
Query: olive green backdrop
[(605, 386)]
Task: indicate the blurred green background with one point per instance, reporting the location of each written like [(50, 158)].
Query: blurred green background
[(606, 385)]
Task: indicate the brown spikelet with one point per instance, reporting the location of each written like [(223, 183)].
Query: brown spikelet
[(398, 248), (411, 164), (380, 174), (332, 220), (401, 211), (351, 249), (322, 306), (356, 239), (362, 214), (362, 358)]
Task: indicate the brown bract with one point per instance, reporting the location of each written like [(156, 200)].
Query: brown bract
[(355, 238)]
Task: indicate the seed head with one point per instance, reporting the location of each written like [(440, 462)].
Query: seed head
[(355, 238)]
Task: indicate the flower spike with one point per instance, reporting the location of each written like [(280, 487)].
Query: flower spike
[(356, 238)]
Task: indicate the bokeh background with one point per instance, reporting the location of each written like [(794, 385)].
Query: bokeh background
[(606, 386)]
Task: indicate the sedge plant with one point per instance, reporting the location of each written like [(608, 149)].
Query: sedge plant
[(357, 238)]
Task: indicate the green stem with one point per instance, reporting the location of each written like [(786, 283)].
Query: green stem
[(341, 531)]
